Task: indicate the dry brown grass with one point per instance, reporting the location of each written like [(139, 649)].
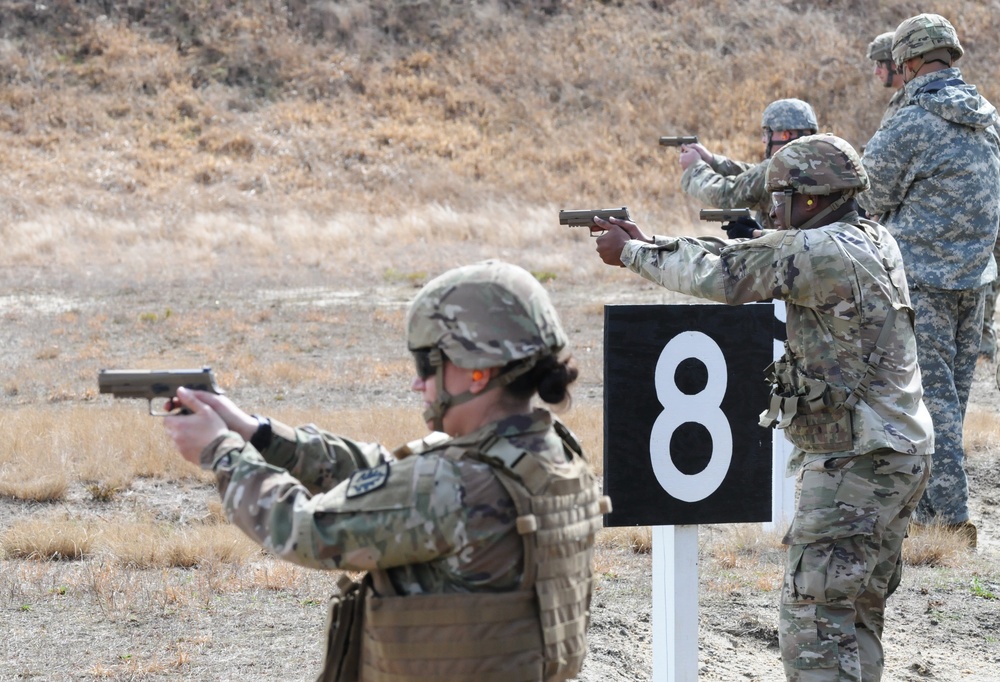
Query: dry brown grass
[(934, 545), (742, 556), (637, 539), (132, 544), (48, 539), (30, 486), (284, 127), (107, 448)]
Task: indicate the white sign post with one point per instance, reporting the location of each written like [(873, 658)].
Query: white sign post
[(675, 603)]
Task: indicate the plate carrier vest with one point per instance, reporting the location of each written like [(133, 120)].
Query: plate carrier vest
[(535, 633)]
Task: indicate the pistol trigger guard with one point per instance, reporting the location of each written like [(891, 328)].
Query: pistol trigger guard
[(172, 407)]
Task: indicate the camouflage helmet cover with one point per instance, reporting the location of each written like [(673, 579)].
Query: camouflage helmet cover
[(789, 114), (922, 34), (880, 49), (817, 164), (485, 315)]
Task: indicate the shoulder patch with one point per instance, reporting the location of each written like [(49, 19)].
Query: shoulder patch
[(363, 481)]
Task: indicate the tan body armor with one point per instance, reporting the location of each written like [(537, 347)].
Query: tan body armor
[(818, 416), (535, 633)]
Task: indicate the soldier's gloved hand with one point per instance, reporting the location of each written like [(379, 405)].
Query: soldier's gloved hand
[(741, 228)]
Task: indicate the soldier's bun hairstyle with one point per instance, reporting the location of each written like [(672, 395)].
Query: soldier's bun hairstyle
[(549, 378)]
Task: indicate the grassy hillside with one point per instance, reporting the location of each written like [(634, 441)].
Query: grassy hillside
[(500, 111)]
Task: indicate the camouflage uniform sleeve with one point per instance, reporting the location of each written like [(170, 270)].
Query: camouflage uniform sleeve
[(686, 265), (394, 514), (746, 189), (732, 272), (725, 166), (317, 458)]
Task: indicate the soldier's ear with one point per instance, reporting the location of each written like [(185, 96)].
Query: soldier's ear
[(480, 379)]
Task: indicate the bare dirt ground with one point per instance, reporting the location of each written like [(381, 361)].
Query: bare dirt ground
[(260, 620)]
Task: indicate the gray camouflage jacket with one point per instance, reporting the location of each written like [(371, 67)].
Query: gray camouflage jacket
[(935, 180)]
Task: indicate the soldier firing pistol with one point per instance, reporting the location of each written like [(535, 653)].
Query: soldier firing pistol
[(152, 384)]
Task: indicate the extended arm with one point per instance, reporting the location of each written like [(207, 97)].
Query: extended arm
[(318, 459), (743, 190)]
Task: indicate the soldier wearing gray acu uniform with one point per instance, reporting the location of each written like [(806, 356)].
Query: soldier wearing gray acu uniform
[(847, 392), (935, 182)]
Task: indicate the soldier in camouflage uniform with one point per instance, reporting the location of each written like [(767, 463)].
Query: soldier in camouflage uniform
[(448, 526), (880, 52), (718, 181), (847, 392), (935, 182)]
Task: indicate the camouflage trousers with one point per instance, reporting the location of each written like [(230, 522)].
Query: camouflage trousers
[(949, 327), (988, 346), (843, 551)]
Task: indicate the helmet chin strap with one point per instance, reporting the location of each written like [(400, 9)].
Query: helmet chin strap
[(890, 73), (822, 214), (913, 72), (770, 143), (436, 410)]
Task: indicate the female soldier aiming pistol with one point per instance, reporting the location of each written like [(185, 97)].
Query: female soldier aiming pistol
[(477, 539)]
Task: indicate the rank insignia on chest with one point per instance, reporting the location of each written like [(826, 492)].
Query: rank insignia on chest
[(363, 481)]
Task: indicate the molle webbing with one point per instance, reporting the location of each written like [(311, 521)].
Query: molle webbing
[(452, 638), (795, 394), (559, 512), (537, 632)]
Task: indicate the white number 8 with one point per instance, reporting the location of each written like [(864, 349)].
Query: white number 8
[(701, 408)]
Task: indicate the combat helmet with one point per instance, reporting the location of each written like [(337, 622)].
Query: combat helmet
[(922, 34), (784, 116), (479, 316), (789, 114), (880, 49), (817, 165)]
